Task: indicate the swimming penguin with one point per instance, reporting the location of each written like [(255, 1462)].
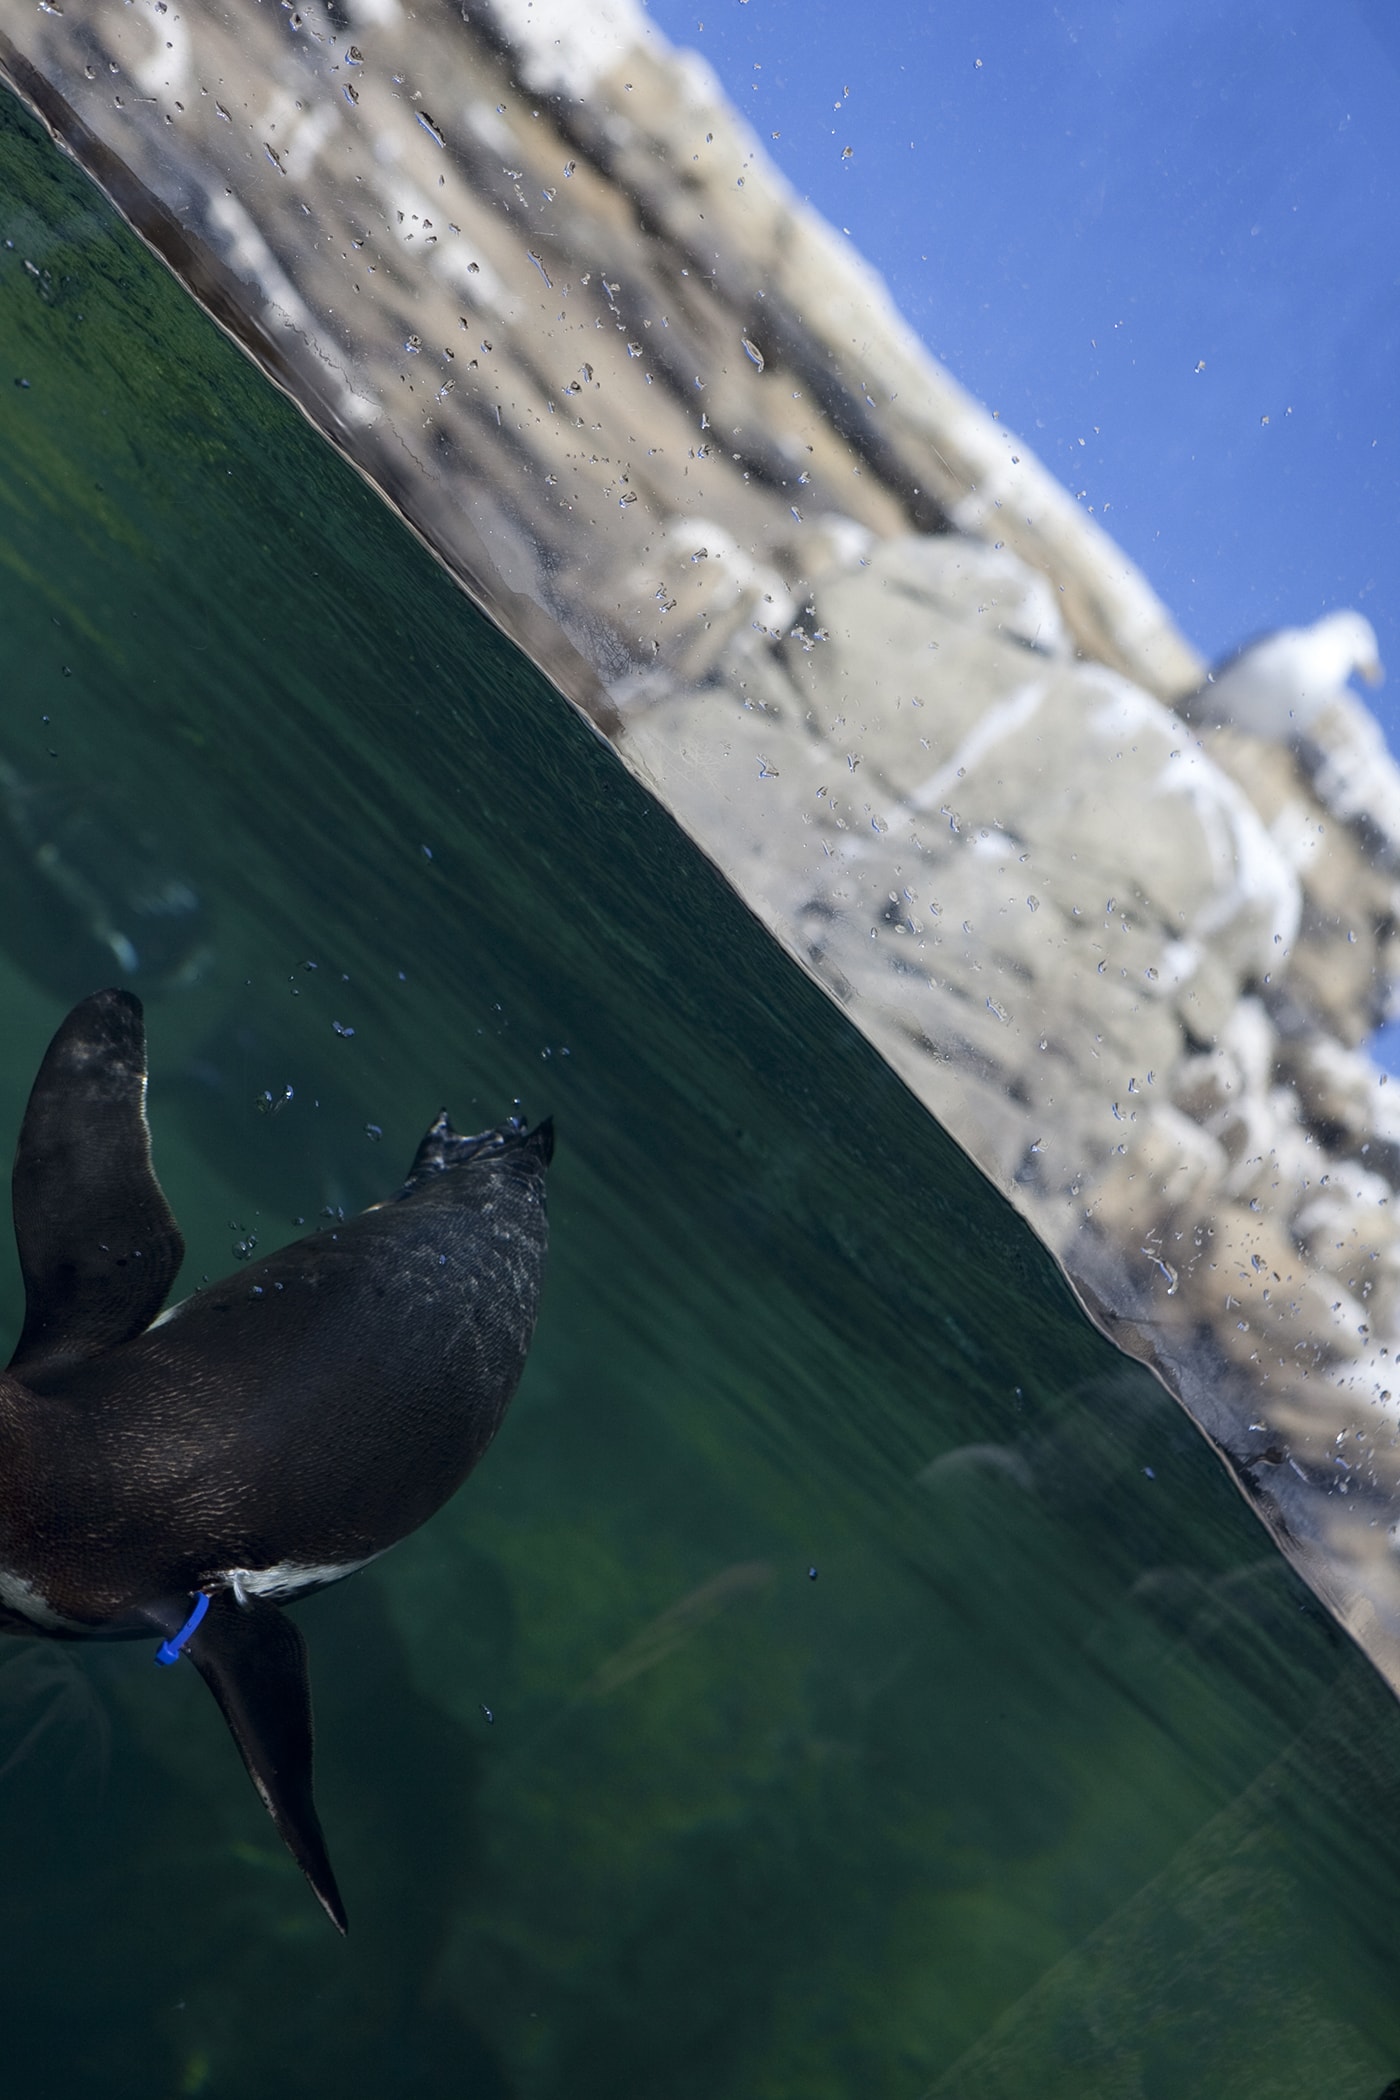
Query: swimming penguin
[(186, 1475)]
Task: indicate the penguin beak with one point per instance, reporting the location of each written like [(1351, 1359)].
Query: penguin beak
[(1373, 671)]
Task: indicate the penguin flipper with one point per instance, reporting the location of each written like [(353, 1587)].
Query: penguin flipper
[(98, 1245), (254, 1662)]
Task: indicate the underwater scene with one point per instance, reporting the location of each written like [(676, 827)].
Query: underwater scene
[(847, 1673)]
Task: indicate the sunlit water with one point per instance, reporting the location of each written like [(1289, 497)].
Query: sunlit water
[(846, 1675)]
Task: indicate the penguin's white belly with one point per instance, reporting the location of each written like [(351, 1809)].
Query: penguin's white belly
[(18, 1594), (287, 1579)]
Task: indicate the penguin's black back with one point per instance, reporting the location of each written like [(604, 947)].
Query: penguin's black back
[(324, 1401)]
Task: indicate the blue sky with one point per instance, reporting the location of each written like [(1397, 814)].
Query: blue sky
[(1146, 224)]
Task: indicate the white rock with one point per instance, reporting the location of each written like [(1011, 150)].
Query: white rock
[(1352, 772)]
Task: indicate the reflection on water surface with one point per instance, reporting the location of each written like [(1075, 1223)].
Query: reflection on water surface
[(88, 898)]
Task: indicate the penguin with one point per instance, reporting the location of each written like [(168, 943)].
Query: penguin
[(187, 1473)]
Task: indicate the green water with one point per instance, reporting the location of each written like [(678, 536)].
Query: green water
[(1051, 1782)]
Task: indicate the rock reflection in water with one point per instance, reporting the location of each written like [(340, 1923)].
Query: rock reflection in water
[(90, 896), (52, 1717)]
